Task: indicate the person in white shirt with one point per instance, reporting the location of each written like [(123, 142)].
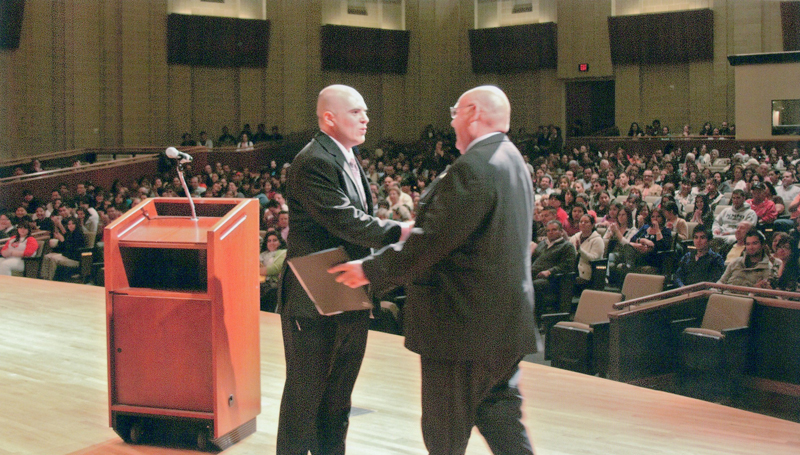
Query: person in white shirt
[(728, 220), (787, 190), (205, 141)]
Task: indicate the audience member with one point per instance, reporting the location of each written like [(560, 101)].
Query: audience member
[(244, 144), (556, 200), (703, 213), (270, 218), (66, 254), (17, 247), (726, 223), (273, 254), (702, 264), (572, 227), (589, 246), (648, 187), (762, 204), (754, 269), (645, 245), (552, 256), (226, 139), (7, 229), (673, 222)]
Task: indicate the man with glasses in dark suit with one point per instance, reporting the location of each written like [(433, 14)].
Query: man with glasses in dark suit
[(467, 274)]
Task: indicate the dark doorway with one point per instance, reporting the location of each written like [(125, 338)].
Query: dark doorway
[(590, 108)]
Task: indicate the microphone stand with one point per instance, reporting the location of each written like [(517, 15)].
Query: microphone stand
[(186, 189)]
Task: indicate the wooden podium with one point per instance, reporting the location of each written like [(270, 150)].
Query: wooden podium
[(182, 309)]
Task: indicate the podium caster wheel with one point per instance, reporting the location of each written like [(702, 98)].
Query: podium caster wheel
[(203, 440), (136, 433)]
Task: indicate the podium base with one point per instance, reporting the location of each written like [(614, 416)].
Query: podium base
[(177, 432)]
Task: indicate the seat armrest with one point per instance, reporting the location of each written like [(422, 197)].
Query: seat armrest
[(600, 347), (679, 325), (599, 271), (735, 332), (549, 320)]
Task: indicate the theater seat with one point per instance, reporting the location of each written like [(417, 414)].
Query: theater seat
[(582, 344), (714, 355), (640, 285)]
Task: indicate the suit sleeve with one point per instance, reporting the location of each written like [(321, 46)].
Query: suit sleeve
[(461, 202), (321, 195)]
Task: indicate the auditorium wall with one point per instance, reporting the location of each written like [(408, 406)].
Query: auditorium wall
[(93, 73)]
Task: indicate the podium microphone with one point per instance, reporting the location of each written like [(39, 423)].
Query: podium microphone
[(174, 153), (182, 158)]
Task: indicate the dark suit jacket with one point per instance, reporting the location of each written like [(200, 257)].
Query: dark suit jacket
[(466, 265), (325, 211)]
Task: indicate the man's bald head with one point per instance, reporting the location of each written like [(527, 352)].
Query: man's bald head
[(480, 111), (493, 105), (332, 98), (342, 114)]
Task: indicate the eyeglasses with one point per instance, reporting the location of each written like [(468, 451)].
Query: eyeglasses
[(454, 110)]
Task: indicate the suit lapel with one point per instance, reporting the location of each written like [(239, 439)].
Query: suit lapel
[(338, 157)]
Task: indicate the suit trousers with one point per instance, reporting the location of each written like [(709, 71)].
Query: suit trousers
[(457, 395), (323, 357)]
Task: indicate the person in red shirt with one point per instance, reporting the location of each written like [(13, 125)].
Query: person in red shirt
[(17, 247), (557, 200), (762, 204)]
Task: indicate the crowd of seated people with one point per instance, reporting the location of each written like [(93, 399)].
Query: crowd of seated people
[(657, 129), (646, 207), (245, 140), (74, 218), (639, 206)]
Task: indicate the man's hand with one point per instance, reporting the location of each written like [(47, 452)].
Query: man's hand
[(544, 274), (405, 231), (352, 274)]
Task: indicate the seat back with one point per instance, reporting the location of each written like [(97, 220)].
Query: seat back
[(639, 285), (594, 306), (691, 225), (652, 200), (727, 312)]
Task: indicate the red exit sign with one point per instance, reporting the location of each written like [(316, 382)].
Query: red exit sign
[(583, 67)]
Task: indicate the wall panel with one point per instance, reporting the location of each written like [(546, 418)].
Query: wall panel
[(85, 72), (627, 91), (214, 102), (574, 46), (110, 74), (86, 64), (665, 95)]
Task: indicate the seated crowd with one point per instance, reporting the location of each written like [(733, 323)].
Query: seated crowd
[(590, 205), (692, 216), (72, 220)]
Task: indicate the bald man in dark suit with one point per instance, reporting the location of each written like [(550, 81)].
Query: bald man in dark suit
[(330, 205), (467, 274)]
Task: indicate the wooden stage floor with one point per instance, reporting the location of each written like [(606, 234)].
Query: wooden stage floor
[(53, 395)]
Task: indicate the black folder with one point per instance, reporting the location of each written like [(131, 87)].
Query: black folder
[(329, 296)]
